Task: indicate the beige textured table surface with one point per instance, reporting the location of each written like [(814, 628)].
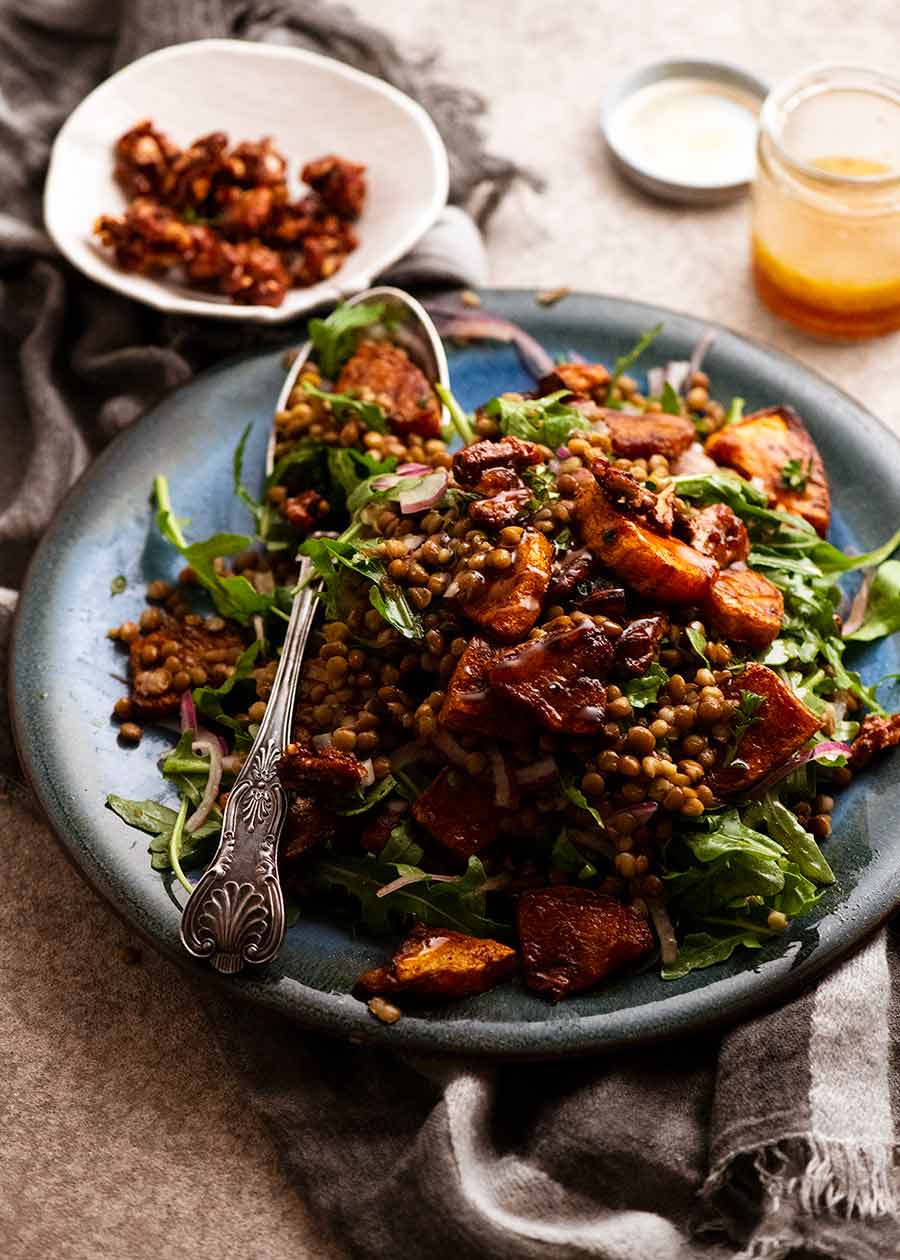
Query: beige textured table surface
[(126, 1138)]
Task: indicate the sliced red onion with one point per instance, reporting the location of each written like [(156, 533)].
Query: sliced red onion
[(640, 813), (826, 749), (656, 379), (211, 745), (451, 748), (385, 481), (668, 945), (413, 470), (857, 614), (538, 774), (429, 491), (694, 462), (321, 742), (188, 712), (595, 841), (369, 777), (506, 788), (697, 358), (563, 453), (404, 880), (480, 325)]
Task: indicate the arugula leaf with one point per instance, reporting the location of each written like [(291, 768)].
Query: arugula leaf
[(402, 846), (458, 418), (574, 793), (208, 700), (882, 614), (670, 402), (332, 555), (644, 690), (334, 338), (830, 560), (305, 451), (458, 905), (795, 474), (118, 585), (566, 856), (545, 420), (159, 822), (701, 949), (735, 411), (746, 713), (799, 894), (237, 472), (350, 469), (362, 802), (370, 413), (698, 641), (625, 361), (233, 596), (797, 842)]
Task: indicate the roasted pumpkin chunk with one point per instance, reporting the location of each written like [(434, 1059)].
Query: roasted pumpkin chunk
[(509, 603), (745, 606), (719, 532), (435, 962), (572, 937), (774, 448), (385, 374), (458, 813), (469, 704), (638, 434), (585, 380), (660, 568), (781, 726), (557, 680)]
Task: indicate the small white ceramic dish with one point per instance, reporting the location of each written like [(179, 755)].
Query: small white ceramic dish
[(685, 131), (309, 104)]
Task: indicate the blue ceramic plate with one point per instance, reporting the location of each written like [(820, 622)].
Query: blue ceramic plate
[(64, 688)]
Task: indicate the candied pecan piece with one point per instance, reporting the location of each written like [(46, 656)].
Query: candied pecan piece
[(637, 647), (436, 962), (599, 596), (324, 770), (509, 603), (387, 375), (304, 511), (770, 445), (254, 274), (639, 434), (190, 647), (662, 569), (340, 184), (586, 380), (248, 213), (875, 735), (570, 938), (557, 679), (257, 162), (469, 704), (501, 509), (494, 480), (569, 570), (472, 462), (744, 605), (782, 726), (719, 532), (308, 825), (143, 157), (147, 238), (458, 813), (192, 175)]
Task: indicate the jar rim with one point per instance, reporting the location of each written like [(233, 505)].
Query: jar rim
[(814, 81)]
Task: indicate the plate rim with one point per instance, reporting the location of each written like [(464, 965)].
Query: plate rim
[(168, 300), (340, 1015)]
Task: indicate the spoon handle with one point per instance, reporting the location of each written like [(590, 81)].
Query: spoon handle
[(235, 914)]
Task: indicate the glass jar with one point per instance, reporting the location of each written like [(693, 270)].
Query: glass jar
[(826, 202)]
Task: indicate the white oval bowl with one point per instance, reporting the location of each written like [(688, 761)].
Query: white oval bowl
[(309, 104)]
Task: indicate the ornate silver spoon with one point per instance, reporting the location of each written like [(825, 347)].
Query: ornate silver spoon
[(235, 914)]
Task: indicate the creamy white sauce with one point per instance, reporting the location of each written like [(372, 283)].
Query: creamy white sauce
[(688, 131)]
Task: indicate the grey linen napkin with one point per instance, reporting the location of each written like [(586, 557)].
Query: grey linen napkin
[(777, 1140)]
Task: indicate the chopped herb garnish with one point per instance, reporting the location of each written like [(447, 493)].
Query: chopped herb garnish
[(334, 338), (796, 473)]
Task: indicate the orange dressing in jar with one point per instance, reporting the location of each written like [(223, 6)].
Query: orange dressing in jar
[(826, 221)]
